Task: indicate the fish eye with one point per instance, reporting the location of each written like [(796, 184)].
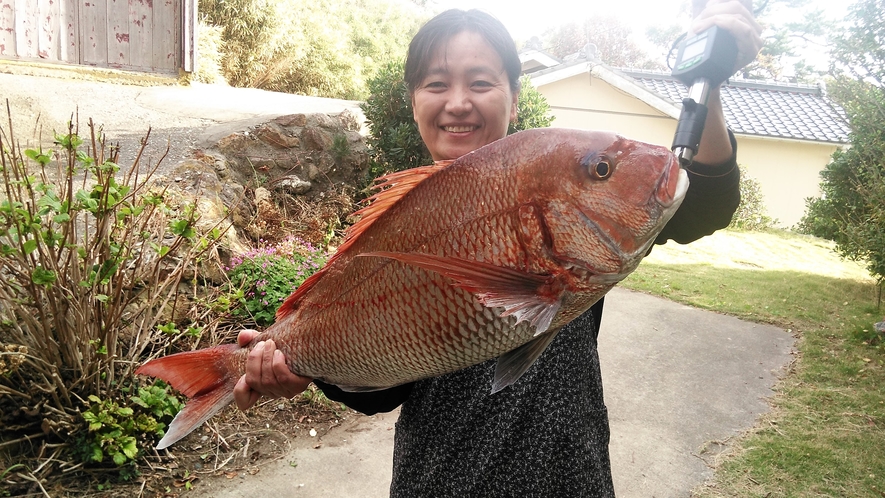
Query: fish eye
[(601, 170), (599, 167)]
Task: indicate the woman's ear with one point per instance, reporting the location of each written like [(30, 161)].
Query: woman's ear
[(514, 108)]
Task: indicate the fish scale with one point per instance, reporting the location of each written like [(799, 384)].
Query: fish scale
[(459, 262)]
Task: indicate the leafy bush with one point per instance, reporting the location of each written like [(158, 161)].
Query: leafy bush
[(750, 214), (210, 50), (265, 276), (820, 219), (851, 211), (91, 260), (394, 142), (532, 109)]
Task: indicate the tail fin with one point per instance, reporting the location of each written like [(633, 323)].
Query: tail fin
[(208, 376)]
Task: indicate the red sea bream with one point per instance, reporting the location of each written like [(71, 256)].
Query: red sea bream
[(459, 262)]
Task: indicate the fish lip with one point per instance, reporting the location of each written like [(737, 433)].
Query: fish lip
[(662, 189)]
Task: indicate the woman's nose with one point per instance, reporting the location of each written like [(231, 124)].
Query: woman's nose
[(459, 102)]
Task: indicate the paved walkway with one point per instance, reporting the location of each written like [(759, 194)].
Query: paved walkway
[(679, 383)]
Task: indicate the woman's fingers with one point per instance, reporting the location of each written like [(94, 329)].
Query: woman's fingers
[(267, 373)]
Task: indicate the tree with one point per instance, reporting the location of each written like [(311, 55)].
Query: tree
[(326, 48), (851, 210), (783, 41), (394, 142), (608, 34)]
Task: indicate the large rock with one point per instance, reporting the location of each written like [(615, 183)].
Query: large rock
[(290, 174), (308, 147), (218, 203)]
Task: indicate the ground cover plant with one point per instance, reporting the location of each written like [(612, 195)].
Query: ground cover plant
[(264, 276), (825, 434)]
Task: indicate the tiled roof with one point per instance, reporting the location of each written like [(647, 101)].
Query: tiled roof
[(800, 112)]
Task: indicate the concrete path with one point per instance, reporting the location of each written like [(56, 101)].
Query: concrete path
[(679, 383)]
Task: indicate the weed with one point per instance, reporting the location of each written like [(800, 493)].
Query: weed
[(114, 430), (315, 397), (340, 147)]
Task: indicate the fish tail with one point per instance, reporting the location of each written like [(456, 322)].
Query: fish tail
[(207, 376)]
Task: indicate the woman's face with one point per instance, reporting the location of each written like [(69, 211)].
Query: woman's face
[(465, 100)]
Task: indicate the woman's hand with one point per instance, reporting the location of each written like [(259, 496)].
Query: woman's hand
[(736, 17), (266, 373)]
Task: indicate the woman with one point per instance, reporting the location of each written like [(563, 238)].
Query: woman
[(547, 434)]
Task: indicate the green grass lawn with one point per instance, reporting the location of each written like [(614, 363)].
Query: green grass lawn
[(825, 435)]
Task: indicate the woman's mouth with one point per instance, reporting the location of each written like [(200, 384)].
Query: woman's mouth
[(459, 129)]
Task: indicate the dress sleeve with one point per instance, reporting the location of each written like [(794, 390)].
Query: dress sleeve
[(368, 403), (712, 198)]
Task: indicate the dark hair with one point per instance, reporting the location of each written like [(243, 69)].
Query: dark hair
[(448, 24)]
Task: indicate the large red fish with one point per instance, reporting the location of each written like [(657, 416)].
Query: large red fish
[(456, 263)]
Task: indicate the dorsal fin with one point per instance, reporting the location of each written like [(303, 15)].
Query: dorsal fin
[(390, 189)]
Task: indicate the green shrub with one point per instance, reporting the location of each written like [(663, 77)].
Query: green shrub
[(264, 277), (91, 260), (820, 219), (210, 48), (750, 214), (532, 109), (850, 211), (394, 142)]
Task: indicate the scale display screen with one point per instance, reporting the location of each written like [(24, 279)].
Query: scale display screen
[(694, 49)]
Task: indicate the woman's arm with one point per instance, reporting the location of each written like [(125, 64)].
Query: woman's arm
[(714, 189)]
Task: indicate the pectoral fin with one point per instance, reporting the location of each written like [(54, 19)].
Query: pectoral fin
[(513, 364), (529, 297)]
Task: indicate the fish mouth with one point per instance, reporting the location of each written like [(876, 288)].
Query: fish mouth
[(672, 186)]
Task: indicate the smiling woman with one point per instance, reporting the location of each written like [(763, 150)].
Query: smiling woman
[(465, 100), (547, 434)]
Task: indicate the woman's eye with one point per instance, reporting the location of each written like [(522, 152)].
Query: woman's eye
[(482, 84), (435, 84)]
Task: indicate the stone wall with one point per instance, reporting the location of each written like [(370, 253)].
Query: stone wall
[(292, 175)]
